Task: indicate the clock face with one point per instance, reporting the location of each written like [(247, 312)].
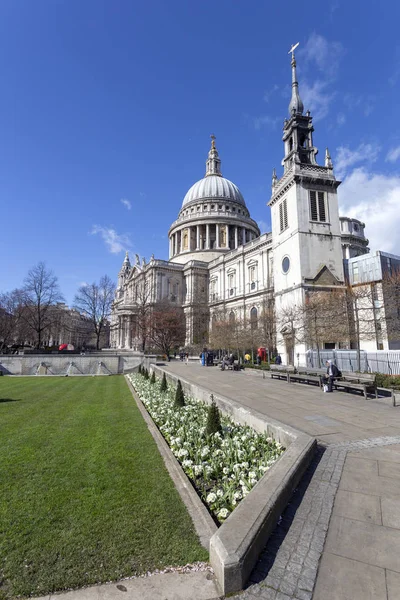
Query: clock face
[(286, 264)]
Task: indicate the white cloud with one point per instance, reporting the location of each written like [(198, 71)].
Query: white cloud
[(265, 120), (126, 203), (364, 103), (393, 154), (114, 241), (341, 119), (324, 54), (263, 225), (317, 98), (346, 158), (374, 198), (270, 92)]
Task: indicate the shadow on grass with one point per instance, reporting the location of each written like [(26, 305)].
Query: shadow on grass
[(10, 400)]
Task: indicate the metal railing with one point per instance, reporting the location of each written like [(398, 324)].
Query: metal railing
[(380, 361)]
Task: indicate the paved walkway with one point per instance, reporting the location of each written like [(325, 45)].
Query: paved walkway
[(340, 537)]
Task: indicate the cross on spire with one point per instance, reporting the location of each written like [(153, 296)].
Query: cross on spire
[(213, 138), (292, 49)]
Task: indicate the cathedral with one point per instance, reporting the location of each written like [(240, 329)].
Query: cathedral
[(220, 261)]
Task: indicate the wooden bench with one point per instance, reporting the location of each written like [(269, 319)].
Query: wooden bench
[(281, 371), (364, 383), (310, 376)]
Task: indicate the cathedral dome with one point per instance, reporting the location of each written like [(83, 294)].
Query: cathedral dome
[(213, 186)]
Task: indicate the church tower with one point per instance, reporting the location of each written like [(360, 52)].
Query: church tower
[(306, 231)]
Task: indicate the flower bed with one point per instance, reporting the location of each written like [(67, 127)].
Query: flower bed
[(224, 466)]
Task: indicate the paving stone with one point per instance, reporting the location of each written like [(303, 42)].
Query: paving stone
[(267, 593), (303, 595), (306, 584), (281, 596), (366, 542), (354, 505), (273, 582), (340, 578), (295, 567), (391, 511), (393, 585), (287, 587)]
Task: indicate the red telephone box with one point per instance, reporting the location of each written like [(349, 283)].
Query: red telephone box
[(262, 353)]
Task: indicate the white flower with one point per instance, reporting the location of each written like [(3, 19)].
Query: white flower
[(245, 491), (198, 469), (211, 498), (223, 513), (238, 495), (252, 475), (187, 463), (205, 451), (225, 471), (220, 493)]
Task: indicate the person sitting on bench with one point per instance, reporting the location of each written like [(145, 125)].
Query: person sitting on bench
[(332, 371)]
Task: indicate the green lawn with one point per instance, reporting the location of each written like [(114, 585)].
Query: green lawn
[(84, 494)]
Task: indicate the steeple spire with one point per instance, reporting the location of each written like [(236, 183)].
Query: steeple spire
[(213, 163), (296, 105), (328, 160)]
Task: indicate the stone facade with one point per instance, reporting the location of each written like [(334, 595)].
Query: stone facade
[(219, 262)]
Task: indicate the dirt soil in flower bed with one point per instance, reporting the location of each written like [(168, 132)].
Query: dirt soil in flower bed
[(223, 467), (85, 496)]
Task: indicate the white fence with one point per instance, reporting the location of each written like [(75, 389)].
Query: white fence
[(380, 361)]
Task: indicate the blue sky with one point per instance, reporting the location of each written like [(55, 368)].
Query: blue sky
[(104, 101)]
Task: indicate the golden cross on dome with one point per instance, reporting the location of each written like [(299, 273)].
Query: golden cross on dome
[(213, 138)]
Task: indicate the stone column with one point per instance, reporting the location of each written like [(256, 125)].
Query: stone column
[(181, 244), (129, 336), (207, 236), (227, 236), (236, 237), (217, 236), (243, 235), (119, 332), (197, 237)]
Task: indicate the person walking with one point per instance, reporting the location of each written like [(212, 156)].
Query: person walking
[(187, 358), (332, 371)]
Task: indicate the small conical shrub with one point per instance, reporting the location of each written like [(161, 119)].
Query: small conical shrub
[(163, 386), (213, 418), (140, 369), (153, 377), (179, 395), (146, 374)]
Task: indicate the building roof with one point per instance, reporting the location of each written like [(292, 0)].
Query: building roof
[(213, 187)]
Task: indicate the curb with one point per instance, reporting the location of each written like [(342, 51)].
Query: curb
[(202, 520)]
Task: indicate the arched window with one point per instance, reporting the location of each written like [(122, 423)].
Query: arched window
[(253, 318), (232, 317)]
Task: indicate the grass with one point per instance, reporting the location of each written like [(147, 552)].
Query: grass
[(84, 493)]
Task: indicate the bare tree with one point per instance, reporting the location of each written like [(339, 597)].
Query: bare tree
[(40, 293), (325, 319), (390, 302), (267, 325), (11, 305), (362, 316), (167, 327), (95, 302)]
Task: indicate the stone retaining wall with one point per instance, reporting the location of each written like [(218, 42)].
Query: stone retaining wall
[(236, 546), (60, 364)]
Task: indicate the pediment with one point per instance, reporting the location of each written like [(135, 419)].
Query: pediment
[(324, 277)]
